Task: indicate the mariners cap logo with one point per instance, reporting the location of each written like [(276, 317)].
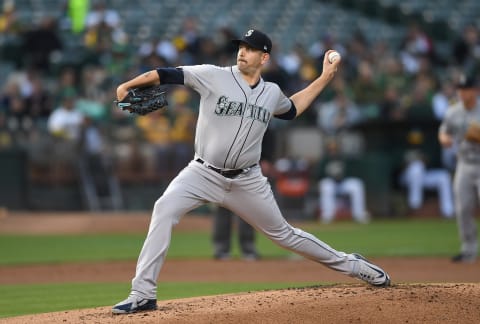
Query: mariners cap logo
[(256, 39), (467, 81)]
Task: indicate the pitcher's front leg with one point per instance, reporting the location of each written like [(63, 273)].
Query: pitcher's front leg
[(257, 206), (255, 203)]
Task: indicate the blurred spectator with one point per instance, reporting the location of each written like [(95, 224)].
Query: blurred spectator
[(97, 39), (100, 14), (187, 41), (41, 43), (223, 42), (318, 48), (67, 83), (390, 106), (337, 115), (357, 50), (420, 98), (117, 62), (338, 85), (466, 48), (166, 50), (94, 83), (66, 122), (291, 61), (155, 131), (274, 72), (93, 144), (182, 130), (335, 183), (129, 161), (305, 75), (366, 91), (392, 74), (74, 15), (147, 46), (9, 24), (79, 149), (10, 34), (6, 138), (443, 98), (417, 176), (292, 181), (415, 46), (39, 103), (104, 31), (65, 126), (208, 51), (12, 103), (24, 79), (169, 135)]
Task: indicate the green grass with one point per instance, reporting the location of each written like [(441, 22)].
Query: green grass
[(391, 238), (380, 238), (21, 249), (30, 299)]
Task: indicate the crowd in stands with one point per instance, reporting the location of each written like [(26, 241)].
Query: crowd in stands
[(65, 70)]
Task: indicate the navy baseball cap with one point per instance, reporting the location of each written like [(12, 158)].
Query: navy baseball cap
[(466, 82), (255, 39)]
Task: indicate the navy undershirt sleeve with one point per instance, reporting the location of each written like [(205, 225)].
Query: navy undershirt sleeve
[(171, 75), (289, 115)]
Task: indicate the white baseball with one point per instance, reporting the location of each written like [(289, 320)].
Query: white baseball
[(333, 56)]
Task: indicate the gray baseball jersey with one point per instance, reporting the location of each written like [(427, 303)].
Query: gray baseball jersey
[(455, 123), (232, 117), (232, 120), (466, 183)]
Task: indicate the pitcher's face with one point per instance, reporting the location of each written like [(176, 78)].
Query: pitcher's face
[(468, 96), (250, 59)]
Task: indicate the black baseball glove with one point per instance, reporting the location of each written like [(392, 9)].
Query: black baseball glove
[(142, 101)]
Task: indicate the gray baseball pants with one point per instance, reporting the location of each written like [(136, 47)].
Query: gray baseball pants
[(249, 196)]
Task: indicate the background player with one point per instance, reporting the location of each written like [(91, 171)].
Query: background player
[(460, 127), (223, 223), (236, 106)]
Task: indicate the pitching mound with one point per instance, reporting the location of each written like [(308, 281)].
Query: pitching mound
[(353, 303)]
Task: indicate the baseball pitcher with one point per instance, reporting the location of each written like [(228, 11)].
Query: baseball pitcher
[(236, 106)]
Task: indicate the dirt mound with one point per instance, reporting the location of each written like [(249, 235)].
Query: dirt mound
[(352, 303)]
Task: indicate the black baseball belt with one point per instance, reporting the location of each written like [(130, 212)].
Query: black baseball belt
[(227, 173)]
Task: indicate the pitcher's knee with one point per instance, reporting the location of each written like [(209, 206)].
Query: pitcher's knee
[(166, 212), (286, 237)]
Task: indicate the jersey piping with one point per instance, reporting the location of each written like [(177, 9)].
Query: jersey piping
[(249, 129), (241, 121)]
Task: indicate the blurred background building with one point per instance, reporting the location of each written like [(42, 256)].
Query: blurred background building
[(61, 60)]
